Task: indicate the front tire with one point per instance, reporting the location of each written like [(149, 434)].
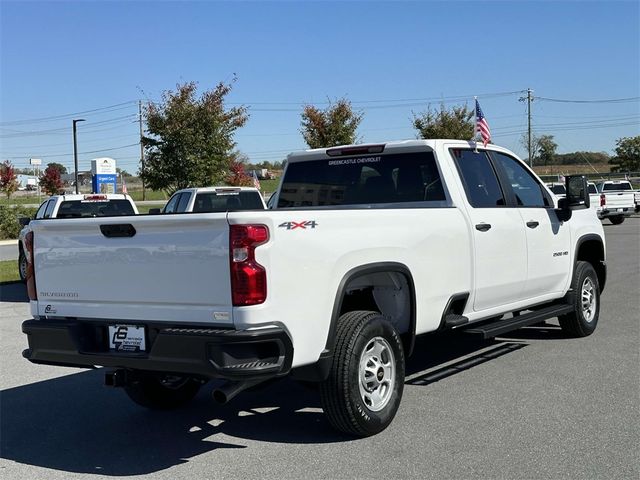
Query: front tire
[(162, 391), (363, 391), (616, 220), (583, 320)]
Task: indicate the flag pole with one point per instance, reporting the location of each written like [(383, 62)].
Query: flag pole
[(475, 124)]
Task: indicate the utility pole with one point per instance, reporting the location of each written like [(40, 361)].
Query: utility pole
[(75, 151), (529, 99), (141, 147)]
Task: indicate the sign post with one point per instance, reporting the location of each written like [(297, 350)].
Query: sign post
[(104, 178)]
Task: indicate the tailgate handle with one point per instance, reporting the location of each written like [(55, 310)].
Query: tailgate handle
[(118, 230)]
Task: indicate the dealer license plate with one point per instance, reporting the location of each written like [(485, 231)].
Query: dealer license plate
[(127, 338)]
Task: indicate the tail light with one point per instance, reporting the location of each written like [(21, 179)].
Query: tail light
[(31, 279), (248, 277), (603, 200)]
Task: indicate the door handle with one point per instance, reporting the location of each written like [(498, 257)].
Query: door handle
[(483, 227), (532, 224)]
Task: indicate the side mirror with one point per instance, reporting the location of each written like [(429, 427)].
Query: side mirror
[(577, 192), (577, 197), (24, 221), (154, 211)]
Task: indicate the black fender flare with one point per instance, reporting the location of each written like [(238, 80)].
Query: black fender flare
[(603, 271)]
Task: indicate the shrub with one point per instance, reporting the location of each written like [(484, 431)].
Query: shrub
[(9, 225)]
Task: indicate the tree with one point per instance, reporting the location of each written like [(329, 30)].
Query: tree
[(336, 125), (546, 149), (237, 175), (50, 181), (456, 123), (190, 138), (627, 157), (8, 178), (58, 166)]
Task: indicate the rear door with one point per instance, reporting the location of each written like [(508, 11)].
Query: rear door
[(500, 249)]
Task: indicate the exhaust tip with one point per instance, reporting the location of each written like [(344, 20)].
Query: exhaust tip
[(220, 397)]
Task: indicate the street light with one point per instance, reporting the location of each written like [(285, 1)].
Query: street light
[(75, 150)]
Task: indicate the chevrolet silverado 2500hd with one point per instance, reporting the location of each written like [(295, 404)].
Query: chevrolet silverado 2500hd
[(367, 247)]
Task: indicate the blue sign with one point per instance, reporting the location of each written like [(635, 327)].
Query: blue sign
[(104, 183)]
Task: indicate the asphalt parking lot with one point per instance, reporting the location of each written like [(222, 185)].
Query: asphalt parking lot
[(530, 405)]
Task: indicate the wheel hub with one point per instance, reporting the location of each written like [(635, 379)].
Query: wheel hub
[(377, 374), (588, 300)]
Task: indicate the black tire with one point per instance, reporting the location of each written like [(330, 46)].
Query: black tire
[(344, 398), (22, 266), (162, 391), (616, 220), (585, 289)]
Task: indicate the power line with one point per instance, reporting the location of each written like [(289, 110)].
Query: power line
[(611, 100), (66, 115)]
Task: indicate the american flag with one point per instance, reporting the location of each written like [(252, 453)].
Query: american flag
[(482, 126), (256, 182)]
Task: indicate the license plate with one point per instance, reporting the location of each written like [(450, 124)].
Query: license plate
[(620, 209), (127, 338)]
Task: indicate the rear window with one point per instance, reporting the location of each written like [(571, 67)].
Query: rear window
[(558, 189), (378, 179), (223, 202), (616, 186), (592, 188), (79, 208)]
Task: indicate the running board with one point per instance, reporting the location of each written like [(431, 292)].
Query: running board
[(493, 329)]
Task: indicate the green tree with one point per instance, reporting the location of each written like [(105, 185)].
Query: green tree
[(627, 157), (546, 148), (50, 181), (336, 125), (58, 166), (456, 123), (189, 141), (8, 178)]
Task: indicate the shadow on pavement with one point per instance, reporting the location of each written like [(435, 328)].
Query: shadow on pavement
[(15, 292), (75, 424)]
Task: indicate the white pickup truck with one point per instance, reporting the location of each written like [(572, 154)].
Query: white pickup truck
[(74, 206), (617, 200), (367, 247), (213, 199)]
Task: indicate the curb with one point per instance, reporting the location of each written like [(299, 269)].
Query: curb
[(8, 242)]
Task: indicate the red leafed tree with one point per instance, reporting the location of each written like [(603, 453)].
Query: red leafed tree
[(8, 179), (50, 181), (237, 176)]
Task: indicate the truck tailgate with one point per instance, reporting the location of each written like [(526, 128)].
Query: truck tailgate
[(174, 268), (619, 200)]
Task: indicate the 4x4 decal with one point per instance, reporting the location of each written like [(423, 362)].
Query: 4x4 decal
[(304, 224)]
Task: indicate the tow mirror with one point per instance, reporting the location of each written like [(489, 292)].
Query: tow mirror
[(24, 221), (577, 197)]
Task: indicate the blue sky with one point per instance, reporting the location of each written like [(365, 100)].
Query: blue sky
[(389, 58)]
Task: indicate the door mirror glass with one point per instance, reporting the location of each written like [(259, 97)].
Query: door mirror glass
[(577, 192)]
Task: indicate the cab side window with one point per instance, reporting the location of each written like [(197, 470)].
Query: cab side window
[(49, 210), (171, 205), (526, 189), (40, 212), (183, 202), (479, 179)]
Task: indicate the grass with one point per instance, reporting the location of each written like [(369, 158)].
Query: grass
[(9, 271)]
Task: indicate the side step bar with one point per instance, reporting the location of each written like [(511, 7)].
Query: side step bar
[(493, 329)]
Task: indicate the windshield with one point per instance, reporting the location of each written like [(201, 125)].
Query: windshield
[(559, 189)]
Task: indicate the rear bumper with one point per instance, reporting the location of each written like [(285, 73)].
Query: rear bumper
[(613, 212), (192, 350)]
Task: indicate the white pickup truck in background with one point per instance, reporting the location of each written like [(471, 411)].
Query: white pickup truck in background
[(367, 246), (213, 199), (617, 200), (74, 206)]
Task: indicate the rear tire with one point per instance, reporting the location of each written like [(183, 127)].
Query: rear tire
[(363, 391), (585, 296), (616, 220), (22, 266), (162, 391)]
